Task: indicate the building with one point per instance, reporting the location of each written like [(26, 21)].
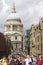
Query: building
[(36, 38), (27, 41), (13, 28)]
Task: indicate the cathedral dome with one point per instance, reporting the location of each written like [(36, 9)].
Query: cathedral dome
[(13, 15)]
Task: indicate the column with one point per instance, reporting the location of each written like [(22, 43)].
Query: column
[(11, 27), (5, 28)]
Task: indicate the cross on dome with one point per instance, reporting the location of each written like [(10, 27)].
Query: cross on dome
[(13, 9)]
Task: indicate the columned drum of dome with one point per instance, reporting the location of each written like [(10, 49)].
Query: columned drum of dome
[(14, 29)]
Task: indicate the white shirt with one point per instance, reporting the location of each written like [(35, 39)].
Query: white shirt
[(26, 61), (29, 60)]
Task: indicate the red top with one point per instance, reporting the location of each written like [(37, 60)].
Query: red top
[(39, 61)]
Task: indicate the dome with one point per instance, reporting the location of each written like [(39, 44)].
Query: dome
[(13, 16)]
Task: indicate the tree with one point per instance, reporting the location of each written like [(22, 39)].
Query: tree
[(4, 47)]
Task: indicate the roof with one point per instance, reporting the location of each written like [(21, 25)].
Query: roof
[(13, 16)]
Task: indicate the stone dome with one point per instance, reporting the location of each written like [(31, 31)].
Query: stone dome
[(13, 15)]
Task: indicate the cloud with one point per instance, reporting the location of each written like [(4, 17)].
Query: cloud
[(29, 11), (3, 14), (5, 6), (4, 9)]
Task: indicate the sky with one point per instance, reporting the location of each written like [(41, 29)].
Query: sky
[(29, 11)]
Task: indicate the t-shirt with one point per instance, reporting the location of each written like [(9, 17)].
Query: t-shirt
[(26, 61)]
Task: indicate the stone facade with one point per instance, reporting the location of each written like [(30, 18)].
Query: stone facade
[(36, 38), (14, 29)]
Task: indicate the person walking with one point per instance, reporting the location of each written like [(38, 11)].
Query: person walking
[(28, 60), (18, 61), (39, 60), (34, 60), (12, 62), (4, 61)]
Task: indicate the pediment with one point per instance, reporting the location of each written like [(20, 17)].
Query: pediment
[(18, 33)]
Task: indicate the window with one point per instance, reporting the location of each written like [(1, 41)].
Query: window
[(33, 46), (34, 34), (38, 47), (42, 21), (32, 43), (20, 28), (38, 38), (8, 28), (16, 37), (14, 27)]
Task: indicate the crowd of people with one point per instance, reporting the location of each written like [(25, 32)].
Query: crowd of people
[(21, 60)]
